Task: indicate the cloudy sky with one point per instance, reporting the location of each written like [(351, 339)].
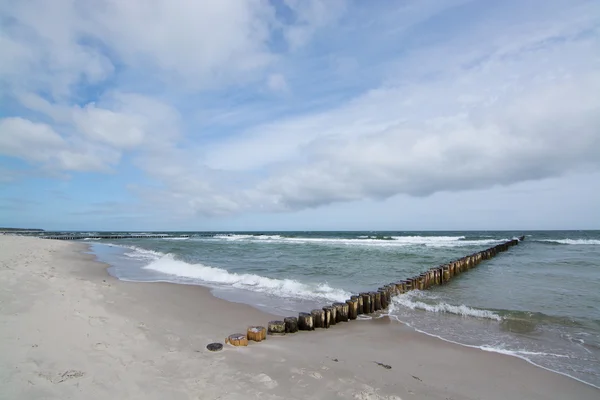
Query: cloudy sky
[(300, 114)]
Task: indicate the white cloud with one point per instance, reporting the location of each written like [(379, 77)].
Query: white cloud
[(445, 108), (39, 143)]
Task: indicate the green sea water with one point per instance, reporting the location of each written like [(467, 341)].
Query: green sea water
[(540, 300)]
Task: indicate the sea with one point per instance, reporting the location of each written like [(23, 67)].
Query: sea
[(539, 301)]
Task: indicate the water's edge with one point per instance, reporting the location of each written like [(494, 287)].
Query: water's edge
[(233, 296)]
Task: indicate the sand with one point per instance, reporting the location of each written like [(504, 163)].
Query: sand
[(70, 331)]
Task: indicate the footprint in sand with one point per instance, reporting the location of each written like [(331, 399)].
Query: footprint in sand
[(97, 321), (265, 380), (100, 346), (61, 377), (316, 375)]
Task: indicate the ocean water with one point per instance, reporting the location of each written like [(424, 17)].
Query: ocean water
[(540, 300)]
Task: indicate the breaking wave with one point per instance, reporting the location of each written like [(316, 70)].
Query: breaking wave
[(288, 288), (363, 240), (408, 300), (571, 241)]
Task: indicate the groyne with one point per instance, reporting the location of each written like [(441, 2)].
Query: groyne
[(370, 302), (75, 237)]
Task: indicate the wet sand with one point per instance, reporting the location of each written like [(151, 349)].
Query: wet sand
[(68, 331)]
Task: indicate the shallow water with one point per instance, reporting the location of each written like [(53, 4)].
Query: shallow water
[(539, 300)]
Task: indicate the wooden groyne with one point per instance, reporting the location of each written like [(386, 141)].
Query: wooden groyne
[(371, 302), (71, 237)]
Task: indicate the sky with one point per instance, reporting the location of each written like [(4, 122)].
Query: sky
[(300, 114)]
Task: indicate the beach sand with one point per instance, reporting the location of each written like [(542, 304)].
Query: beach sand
[(70, 331)]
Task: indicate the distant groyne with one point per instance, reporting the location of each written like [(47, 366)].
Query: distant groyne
[(367, 302), (111, 237)]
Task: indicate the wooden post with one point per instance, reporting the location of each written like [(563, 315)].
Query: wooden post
[(305, 322), (237, 339), (291, 324), (372, 295), (392, 290), (332, 314), (257, 333), (345, 310), (399, 288), (327, 317), (276, 328), (377, 301), (383, 298), (341, 311), (446, 274), (360, 304), (366, 297), (318, 316), (352, 307)]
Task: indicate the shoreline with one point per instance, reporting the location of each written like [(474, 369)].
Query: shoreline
[(150, 339), (277, 314)]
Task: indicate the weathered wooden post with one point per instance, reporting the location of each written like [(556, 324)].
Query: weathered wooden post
[(399, 288), (383, 298), (327, 315), (345, 310), (257, 333), (446, 273), (318, 316), (352, 308), (305, 322), (333, 314), (291, 324), (372, 295), (366, 297), (360, 304), (276, 328), (377, 301), (237, 339)]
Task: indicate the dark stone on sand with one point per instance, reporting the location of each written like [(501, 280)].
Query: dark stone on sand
[(214, 346)]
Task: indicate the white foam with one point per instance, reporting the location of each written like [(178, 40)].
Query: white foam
[(571, 241), (288, 288), (407, 300), (175, 238), (519, 354), (139, 253), (391, 241)]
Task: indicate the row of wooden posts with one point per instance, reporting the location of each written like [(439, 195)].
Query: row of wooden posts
[(68, 237), (368, 302)]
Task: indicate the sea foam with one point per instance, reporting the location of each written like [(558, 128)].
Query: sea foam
[(363, 240), (571, 241), (408, 300), (287, 288)]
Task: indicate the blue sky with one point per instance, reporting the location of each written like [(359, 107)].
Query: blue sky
[(285, 115)]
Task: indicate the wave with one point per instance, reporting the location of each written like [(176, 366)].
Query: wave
[(522, 354), (234, 237), (287, 288), (407, 300), (571, 241), (139, 253), (363, 240)]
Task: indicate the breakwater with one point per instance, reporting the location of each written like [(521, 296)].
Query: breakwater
[(110, 237), (369, 302)]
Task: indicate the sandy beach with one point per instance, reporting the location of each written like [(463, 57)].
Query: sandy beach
[(68, 330)]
